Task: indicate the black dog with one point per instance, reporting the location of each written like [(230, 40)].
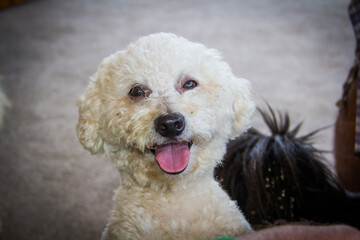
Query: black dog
[(282, 178)]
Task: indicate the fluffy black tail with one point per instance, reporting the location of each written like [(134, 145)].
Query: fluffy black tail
[(283, 178)]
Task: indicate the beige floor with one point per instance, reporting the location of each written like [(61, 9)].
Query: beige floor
[(296, 53)]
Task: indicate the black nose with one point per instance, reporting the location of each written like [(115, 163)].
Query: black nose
[(170, 124)]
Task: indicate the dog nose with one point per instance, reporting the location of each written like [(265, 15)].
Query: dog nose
[(170, 124)]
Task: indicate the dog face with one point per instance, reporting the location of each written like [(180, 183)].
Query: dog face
[(163, 103)]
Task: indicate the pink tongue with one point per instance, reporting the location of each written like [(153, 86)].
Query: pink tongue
[(174, 157)]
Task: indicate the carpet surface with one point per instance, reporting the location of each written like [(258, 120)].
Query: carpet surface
[(295, 53)]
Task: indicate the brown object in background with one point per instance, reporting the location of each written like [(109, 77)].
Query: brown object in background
[(347, 162), (8, 3)]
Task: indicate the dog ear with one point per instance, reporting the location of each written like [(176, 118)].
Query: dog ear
[(90, 104), (88, 122), (243, 106)]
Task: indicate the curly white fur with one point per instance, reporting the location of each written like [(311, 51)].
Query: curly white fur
[(151, 204)]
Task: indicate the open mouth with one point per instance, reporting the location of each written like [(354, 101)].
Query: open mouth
[(173, 157)]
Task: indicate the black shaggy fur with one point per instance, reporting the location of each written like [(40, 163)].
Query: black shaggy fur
[(283, 178)]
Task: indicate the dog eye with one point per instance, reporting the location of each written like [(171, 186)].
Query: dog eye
[(190, 84), (137, 92)]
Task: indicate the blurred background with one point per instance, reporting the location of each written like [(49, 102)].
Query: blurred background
[(296, 53)]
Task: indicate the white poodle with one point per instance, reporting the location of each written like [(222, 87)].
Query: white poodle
[(163, 110)]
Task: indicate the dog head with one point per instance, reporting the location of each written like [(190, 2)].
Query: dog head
[(163, 103)]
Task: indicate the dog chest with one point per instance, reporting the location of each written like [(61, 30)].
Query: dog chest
[(202, 214)]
